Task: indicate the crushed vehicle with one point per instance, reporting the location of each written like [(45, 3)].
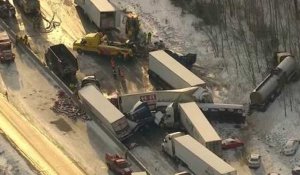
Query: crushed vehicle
[(232, 143), (118, 164), (98, 43), (6, 53)]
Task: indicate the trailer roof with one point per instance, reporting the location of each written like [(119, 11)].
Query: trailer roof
[(199, 121), (177, 68), (103, 5), (95, 98), (205, 154)]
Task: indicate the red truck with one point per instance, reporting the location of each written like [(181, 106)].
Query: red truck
[(6, 54), (118, 164)]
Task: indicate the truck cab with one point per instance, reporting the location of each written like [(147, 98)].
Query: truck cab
[(89, 42), (6, 53), (280, 56), (167, 145), (170, 118)]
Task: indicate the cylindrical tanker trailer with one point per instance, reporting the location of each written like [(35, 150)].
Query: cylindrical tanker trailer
[(272, 85), (288, 66)]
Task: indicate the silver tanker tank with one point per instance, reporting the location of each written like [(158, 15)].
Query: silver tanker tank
[(273, 83), (264, 89), (288, 66)]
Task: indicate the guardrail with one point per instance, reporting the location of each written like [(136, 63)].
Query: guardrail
[(65, 88)]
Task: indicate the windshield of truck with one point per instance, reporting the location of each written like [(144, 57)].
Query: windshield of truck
[(5, 47), (123, 164)]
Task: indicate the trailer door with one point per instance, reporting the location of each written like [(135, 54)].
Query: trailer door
[(107, 20)]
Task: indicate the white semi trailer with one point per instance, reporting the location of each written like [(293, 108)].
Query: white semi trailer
[(101, 12), (161, 98), (195, 123), (104, 112), (163, 66), (198, 158)]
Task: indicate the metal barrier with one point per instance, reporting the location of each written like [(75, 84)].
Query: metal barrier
[(66, 89)]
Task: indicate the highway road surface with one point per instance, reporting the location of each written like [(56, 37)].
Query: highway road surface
[(46, 157)]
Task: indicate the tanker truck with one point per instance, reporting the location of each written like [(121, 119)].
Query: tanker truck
[(273, 84)]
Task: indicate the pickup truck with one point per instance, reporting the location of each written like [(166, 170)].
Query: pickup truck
[(118, 164), (6, 54)]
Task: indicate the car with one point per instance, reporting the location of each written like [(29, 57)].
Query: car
[(296, 170), (273, 173), (254, 161), (290, 147), (232, 143)]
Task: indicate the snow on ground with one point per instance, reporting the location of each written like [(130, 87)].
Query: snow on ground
[(266, 132), (11, 163)]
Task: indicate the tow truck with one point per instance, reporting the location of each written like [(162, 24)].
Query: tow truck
[(118, 164), (98, 42)]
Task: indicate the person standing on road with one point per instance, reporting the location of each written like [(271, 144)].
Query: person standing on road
[(145, 38), (119, 70), (113, 63), (149, 38), (113, 66)]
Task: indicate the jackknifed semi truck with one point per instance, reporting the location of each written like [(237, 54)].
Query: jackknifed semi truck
[(161, 98), (104, 112), (199, 159), (162, 67), (195, 123)]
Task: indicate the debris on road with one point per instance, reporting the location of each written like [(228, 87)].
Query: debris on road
[(65, 105)]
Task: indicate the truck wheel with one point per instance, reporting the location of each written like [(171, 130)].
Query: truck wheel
[(79, 51)]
